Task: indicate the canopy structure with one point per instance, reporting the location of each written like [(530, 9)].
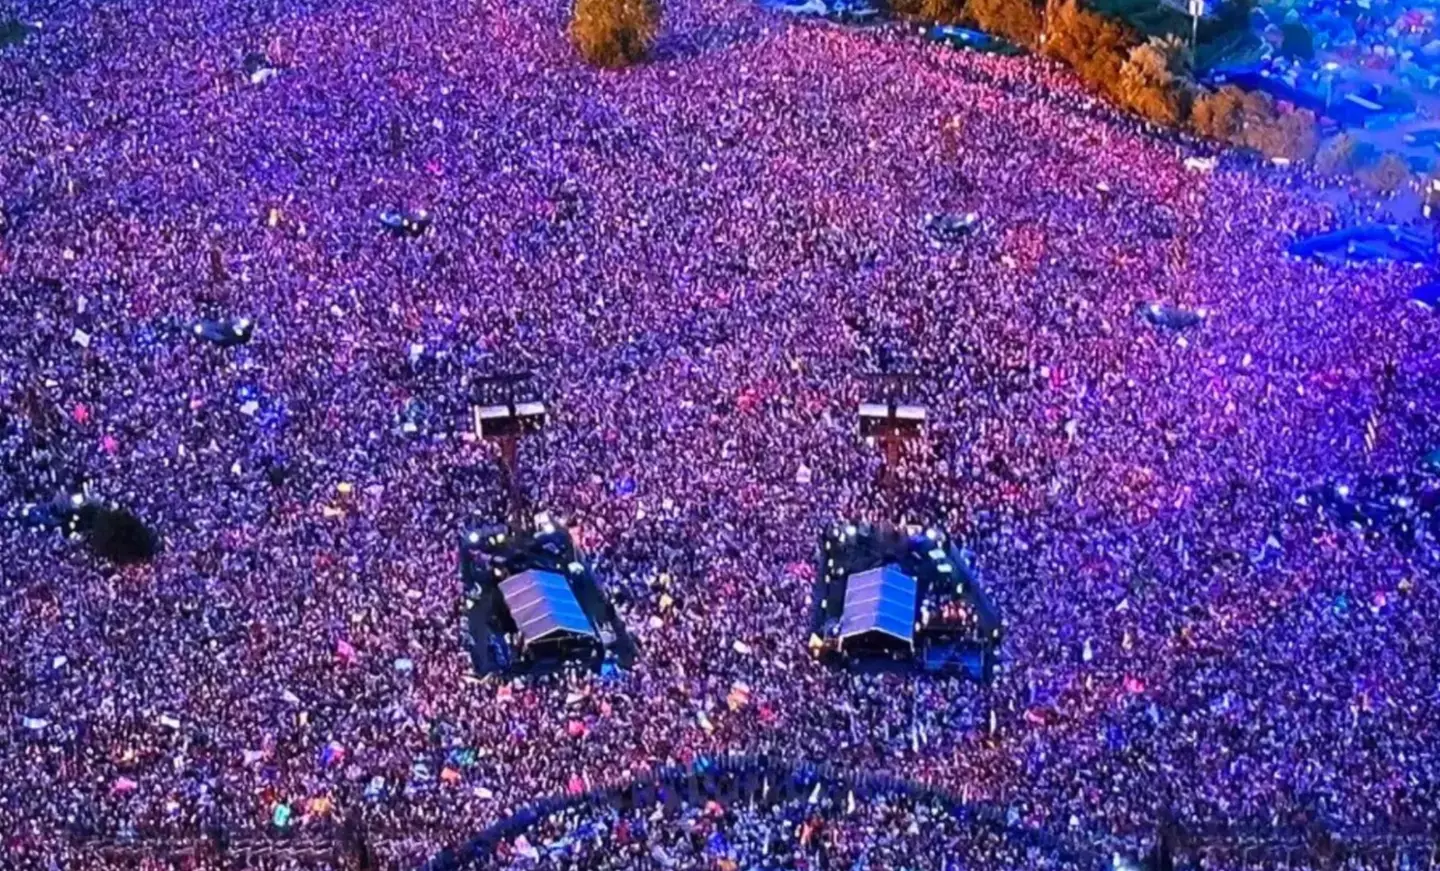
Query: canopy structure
[(544, 607), (882, 601)]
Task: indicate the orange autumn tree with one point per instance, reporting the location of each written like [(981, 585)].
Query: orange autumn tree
[(614, 33)]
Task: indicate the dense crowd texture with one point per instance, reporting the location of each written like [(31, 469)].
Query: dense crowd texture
[(699, 257), (887, 832)]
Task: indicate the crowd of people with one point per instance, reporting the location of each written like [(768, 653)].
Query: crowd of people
[(883, 832), (701, 258)]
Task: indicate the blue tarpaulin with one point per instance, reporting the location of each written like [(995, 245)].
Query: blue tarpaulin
[(1374, 242)]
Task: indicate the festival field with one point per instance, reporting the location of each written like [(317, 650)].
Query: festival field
[(698, 257)]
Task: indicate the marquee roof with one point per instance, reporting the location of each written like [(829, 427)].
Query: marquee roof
[(880, 600), (543, 605)]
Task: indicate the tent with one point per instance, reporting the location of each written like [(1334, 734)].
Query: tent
[(879, 602), (544, 607)]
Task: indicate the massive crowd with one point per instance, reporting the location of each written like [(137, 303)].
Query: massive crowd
[(884, 832), (700, 257)]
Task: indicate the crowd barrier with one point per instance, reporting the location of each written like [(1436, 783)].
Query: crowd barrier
[(774, 781)]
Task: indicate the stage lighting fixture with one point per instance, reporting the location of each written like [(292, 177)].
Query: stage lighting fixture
[(508, 421)]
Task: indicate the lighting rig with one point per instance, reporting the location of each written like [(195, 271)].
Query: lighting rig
[(532, 602), (227, 333), (889, 422), (505, 409), (901, 599)]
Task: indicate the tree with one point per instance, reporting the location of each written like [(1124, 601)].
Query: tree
[(1289, 135), (1337, 155), (1387, 175), (1179, 59), (1154, 81), (942, 11), (1095, 45), (614, 33), (1251, 119), (1015, 20)]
